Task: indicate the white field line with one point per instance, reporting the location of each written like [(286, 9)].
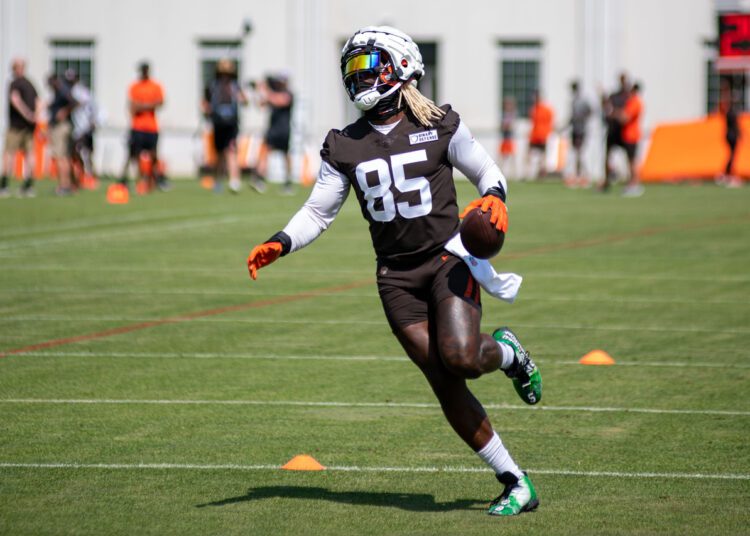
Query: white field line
[(288, 272), (640, 277), (670, 364), (284, 357), (101, 268), (362, 469), (136, 319), (359, 238), (388, 405), (698, 302), (635, 329), (113, 234), (650, 328)]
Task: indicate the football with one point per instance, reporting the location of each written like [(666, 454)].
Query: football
[(480, 236)]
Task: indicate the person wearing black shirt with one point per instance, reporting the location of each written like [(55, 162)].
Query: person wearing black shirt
[(612, 107), (398, 160), (60, 131), (23, 109), (222, 99), (732, 133), (274, 93)]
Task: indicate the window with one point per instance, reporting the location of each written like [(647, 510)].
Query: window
[(428, 84), (74, 54), (738, 80), (211, 52), (520, 67)]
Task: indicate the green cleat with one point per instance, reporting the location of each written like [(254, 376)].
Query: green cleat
[(526, 377), (518, 496)]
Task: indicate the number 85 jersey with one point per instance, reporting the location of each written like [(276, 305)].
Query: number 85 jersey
[(403, 181)]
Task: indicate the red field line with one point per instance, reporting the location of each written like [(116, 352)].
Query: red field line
[(356, 284), (578, 244), (188, 316)]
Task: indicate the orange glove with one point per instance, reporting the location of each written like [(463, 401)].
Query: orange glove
[(261, 256), (499, 212)]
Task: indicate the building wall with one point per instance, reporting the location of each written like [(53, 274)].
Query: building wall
[(660, 43)]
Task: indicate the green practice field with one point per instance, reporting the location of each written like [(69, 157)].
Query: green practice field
[(148, 386)]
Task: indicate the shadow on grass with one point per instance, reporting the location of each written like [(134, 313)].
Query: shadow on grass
[(416, 502)]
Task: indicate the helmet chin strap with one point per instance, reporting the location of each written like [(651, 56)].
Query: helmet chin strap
[(385, 108), (367, 99)]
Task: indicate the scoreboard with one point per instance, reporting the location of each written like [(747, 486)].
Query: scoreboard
[(734, 41), (734, 34)]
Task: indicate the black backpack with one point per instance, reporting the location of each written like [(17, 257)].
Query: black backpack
[(224, 104)]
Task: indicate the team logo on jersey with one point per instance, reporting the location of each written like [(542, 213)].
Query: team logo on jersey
[(423, 137)]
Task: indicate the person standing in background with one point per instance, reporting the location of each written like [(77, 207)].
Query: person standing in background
[(580, 111), (274, 92), (542, 118), (612, 107), (631, 135), (507, 149), (728, 111), (221, 104), (24, 106), (145, 97), (60, 131), (84, 119)]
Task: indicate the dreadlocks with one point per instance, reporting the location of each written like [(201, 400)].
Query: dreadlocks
[(426, 111)]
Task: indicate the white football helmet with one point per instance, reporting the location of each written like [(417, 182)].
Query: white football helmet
[(376, 61)]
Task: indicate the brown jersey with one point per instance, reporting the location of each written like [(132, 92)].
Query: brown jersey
[(404, 184)]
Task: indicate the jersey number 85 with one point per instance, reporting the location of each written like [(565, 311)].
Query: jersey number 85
[(394, 174)]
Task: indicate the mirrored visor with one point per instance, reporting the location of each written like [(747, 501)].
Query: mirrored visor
[(365, 61)]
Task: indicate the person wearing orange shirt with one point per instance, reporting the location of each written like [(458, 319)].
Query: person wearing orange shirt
[(145, 96), (631, 135), (542, 119), (507, 148)]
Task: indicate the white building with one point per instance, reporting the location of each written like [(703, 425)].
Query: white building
[(475, 49)]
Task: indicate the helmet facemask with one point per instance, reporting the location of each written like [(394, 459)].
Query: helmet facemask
[(369, 77), (380, 67)]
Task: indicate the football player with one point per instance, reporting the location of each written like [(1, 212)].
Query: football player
[(398, 158)]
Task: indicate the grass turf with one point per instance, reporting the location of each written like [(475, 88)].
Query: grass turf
[(124, 311)]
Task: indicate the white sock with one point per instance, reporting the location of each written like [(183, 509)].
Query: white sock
[(509, 355), (497, 456)]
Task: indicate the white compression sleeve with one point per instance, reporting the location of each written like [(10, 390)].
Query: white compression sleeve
[(320, 209), (470, 158)]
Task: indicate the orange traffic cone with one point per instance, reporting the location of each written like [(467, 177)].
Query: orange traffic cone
[(89, 182), (597, 357), (207, 182), (303, 462), (117, 194)]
